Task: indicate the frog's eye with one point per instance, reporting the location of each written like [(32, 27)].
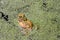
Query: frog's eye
[(20, 16), (25, 19)]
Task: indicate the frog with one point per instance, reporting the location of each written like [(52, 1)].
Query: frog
[(24, 23)]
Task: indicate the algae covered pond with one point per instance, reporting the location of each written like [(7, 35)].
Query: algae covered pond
[(45, 15)]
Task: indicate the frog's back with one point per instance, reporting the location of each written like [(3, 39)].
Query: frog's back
[(30, 23)]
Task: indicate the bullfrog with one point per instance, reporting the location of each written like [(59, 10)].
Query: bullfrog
[(24, 23)]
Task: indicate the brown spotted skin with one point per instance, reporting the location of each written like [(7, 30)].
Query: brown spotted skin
[(24, 22)]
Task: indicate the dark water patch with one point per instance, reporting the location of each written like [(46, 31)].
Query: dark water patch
[(58, 36), (44, 5), (3, 16)]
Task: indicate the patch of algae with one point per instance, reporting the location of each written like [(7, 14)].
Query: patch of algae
[(44, 14)]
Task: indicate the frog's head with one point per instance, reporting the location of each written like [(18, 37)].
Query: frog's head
[(22, 17)]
